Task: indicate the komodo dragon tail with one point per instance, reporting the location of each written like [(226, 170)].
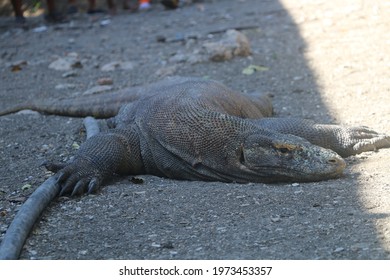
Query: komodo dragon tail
[(104, 105)]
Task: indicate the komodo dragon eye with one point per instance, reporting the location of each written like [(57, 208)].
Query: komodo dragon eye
[(285, 149)]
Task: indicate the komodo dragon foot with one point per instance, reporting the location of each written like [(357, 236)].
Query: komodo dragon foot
[(362, 139), (76, 179)]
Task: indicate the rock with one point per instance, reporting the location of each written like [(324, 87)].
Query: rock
[(66, 63), (105, 22), (196, 58), (105, 81), (191, 58), (161, 38), (178, 58), (233, 43), (122, 65), (28, 112), (83, 252), (275, 219), (97, 89), (33, 252), (40, 29), (127, 65), (65, 86), (166, 71), (338, 250), (45, 148), (156, 245), (173, 253), (70, 73), (110, 66)]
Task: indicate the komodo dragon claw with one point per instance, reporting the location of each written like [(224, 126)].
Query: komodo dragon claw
[(75, 184)]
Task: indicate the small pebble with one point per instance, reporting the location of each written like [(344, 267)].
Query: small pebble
[(65, 86), (275, 219), (105, 81), (97, 89), (338, 250), (39, 29), (105, 22), (69, 74)]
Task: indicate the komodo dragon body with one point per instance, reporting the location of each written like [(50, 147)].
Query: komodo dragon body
[(197, 129)]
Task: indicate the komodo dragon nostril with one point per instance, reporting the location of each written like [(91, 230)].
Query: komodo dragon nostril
[(338, 162)]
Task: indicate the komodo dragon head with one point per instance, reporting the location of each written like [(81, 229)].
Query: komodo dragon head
[(279, 157)]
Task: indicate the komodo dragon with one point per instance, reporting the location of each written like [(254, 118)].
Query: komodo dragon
[(197, 129)]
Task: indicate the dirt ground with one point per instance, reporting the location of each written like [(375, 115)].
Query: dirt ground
[(322, 60)]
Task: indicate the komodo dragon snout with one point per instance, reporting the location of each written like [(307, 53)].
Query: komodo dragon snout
[(284, 157)]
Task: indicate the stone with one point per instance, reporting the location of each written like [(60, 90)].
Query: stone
[(65, 86), (70, 73), (66, 63), (105, 81), (166, 71), (97, 89), (233, 43), (115, 65)]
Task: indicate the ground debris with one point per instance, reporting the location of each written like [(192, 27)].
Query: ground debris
[(233, 43)]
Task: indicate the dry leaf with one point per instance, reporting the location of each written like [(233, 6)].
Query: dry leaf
[(254, 68)]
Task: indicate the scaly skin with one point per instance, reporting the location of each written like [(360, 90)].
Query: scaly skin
[(194, 129)]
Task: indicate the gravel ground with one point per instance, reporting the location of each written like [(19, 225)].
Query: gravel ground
[(323, 60)]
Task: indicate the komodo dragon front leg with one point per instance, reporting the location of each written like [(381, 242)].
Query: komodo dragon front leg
[(105, 154), (345, 141)]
